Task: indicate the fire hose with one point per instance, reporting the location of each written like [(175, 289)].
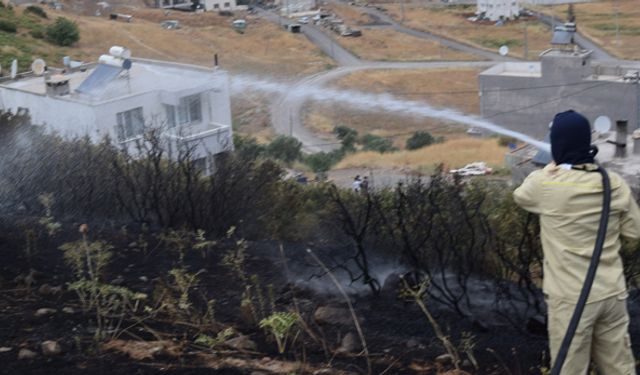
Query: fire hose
[(590, 276)]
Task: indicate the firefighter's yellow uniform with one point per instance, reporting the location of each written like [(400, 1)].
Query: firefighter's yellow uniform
[(569, 203)]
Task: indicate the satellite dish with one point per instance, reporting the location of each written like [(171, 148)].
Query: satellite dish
[(602, 124), (503, 50), (38, 66), (14, 69)]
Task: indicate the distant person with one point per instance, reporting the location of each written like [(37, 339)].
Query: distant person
[(567, 194), (356, 184), (364, 185)]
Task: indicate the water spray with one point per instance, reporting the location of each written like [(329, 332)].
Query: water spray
[(386, 102), (390, 103)]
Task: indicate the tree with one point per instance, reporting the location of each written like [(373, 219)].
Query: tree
[(285, 148), (372, 142), (247, 147), (63, 32), (347, 137), (323, 161), (419, 140)]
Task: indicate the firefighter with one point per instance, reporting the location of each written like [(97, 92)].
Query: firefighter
[(567, 195)]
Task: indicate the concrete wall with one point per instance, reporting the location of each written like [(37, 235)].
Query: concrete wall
[(67, 118), (528, 104), (530, 111)]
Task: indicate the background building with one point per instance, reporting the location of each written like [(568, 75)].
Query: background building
[(498, 9), (189, 105), (524, 96)]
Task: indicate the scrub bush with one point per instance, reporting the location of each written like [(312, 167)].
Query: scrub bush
[(372, 142), (8, 26), (63, 32), (419, 140), (38, 11), (287, 149)]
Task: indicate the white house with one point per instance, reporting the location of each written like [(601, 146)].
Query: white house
[(498, 9), (190, 104), (218, 5), (207, 5)]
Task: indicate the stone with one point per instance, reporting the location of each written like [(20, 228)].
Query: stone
[(26, 354), (333, 315), (412, 343), (4, 349), (444, 359), (241, 343), (350, 343), (51, 348), (144, 279), (119, 280), (48, 290), (45, 311), (68, 310), (324, 371)]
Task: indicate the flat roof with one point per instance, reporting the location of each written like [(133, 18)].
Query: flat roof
[(515, 69), (143, 77)]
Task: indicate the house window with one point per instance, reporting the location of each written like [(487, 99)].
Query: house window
[(226, 5), (216, 6), (171, 116), (190, 110), (130, 124)]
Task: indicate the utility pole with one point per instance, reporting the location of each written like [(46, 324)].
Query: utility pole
[(290, 125), (526, 42), (617, 11), (402, 11)]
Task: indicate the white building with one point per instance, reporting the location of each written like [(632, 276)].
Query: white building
[(190, 104), (207, 5), (218, 5), (498, 9)]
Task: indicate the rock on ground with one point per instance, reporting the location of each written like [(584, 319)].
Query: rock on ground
[(350, 343), (51, 348), (333, 315), (241, 343), (26, 354), (45, 311)]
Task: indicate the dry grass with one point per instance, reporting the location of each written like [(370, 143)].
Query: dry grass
[(597, 20), (467, 150), (436, 87), (451, 22), (439, 87), (251, 117), (350, 15), (263, 49), (388, 44), (391, 45)]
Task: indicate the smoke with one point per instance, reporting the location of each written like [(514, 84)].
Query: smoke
[(386, 102)]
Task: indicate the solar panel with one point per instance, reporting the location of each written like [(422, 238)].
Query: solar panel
[(99, 78)]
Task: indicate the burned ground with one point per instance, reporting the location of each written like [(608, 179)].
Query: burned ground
[(398, 336), (178, 272)]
